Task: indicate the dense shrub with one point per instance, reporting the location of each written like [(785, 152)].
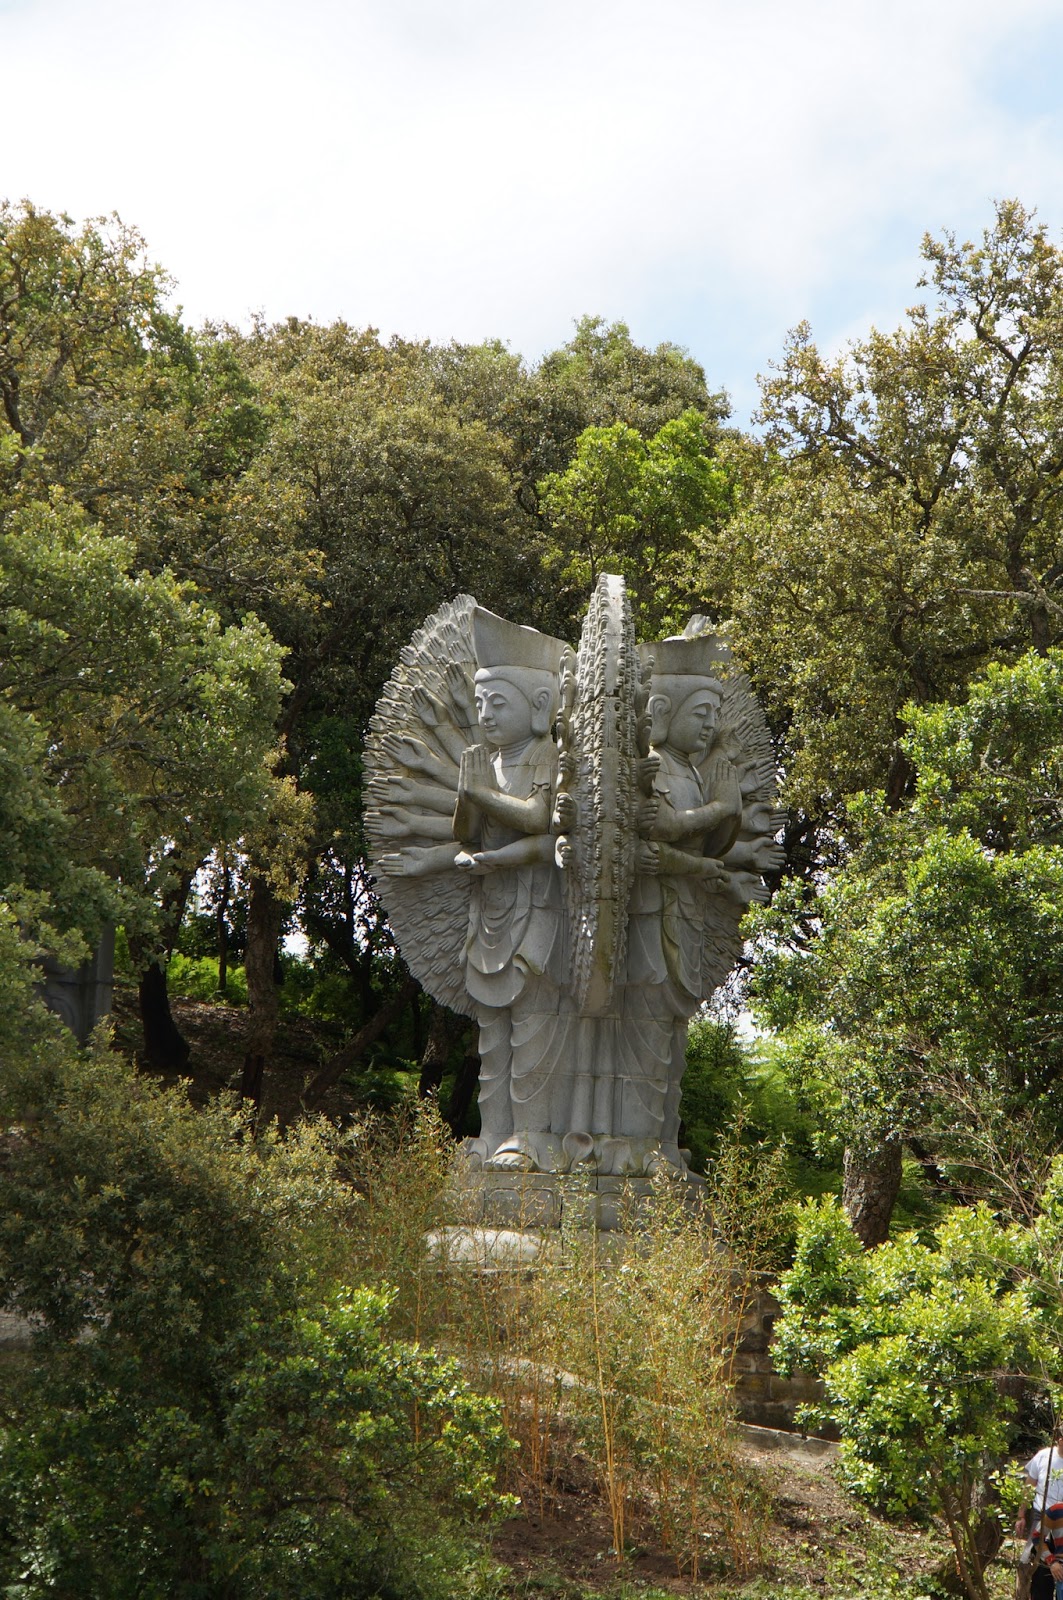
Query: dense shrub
[(207, 1411)]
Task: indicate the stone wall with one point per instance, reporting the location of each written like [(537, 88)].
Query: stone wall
[(764, 1397)]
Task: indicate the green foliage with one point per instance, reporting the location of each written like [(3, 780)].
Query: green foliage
[(196, 977), (911, 1341), (636, 506), (994, 765), (926, 1004), (733, 1089), (902, 525), (207, 1410)]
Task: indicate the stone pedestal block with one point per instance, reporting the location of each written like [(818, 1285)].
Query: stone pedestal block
[(544, 1200)]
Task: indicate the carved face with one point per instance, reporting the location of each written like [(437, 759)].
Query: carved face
[(503, 712), (693, 723)]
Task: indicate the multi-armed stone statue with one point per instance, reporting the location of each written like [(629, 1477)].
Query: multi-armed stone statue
[(566, 842)]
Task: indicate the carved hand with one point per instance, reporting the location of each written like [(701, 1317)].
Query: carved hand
[(565, 813), (415, 755), (428, 708), (767, 856), (648, 858), (475, 863), (406, 863), (458, 689), (477, 774), (648, 768), (646, 816), (744, 888), (721, 784)]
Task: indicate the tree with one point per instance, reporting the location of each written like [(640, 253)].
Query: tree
[(149, 728), (636, 506), (903, 523), (901, 526), (117, 426), (926, 1004), (912, 1342)]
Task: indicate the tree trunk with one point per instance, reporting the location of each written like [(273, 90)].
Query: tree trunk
[(870, 1183), (221, 927), (443, 1030), (265, 918), (165, 1047), (355, 1048), (465, 1081)]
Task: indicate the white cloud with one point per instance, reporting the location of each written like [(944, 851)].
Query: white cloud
[(712, 171)]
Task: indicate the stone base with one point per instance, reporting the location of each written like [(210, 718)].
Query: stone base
[(551, 1200)]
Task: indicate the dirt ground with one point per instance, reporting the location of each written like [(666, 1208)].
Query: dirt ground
[(821, 1543), (216, 1036)]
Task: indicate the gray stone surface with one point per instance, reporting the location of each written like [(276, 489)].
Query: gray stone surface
[(566, 840), (82, 995)]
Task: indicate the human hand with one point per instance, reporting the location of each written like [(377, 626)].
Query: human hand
[(646, 815), (648, 858), (563, 853)]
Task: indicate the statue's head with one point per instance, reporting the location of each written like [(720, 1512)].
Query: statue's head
[(516, 683), (683, 712), (514, 703), (685, 692)]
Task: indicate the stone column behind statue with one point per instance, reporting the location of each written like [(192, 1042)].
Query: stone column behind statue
[(565, 842)]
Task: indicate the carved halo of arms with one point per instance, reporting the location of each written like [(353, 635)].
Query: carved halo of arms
[(424, 721)]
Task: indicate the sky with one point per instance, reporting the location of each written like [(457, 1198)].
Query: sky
[(711, 172)]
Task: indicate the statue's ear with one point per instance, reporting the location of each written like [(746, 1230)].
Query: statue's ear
[(659, 707), (540, 710)]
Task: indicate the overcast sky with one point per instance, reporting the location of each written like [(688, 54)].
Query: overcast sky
[(711, 171)]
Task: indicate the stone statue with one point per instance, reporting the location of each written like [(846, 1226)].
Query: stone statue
[(566, 843)]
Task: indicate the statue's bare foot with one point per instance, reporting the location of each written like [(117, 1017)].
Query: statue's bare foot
[(511, 1161), (657, 1163)]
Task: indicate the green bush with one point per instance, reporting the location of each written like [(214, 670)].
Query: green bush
[(196, 977), (208, 1412)]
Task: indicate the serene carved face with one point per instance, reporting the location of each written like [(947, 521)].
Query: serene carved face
[(692, 725), (503, 712)]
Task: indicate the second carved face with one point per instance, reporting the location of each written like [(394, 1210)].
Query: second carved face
[(693, 723)]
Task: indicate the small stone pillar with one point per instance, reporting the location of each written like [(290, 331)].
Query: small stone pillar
[(81, 995)]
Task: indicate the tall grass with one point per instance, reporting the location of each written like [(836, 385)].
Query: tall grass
[(617, 1348)]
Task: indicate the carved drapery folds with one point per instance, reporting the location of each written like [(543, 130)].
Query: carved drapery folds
[(566, 841)]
